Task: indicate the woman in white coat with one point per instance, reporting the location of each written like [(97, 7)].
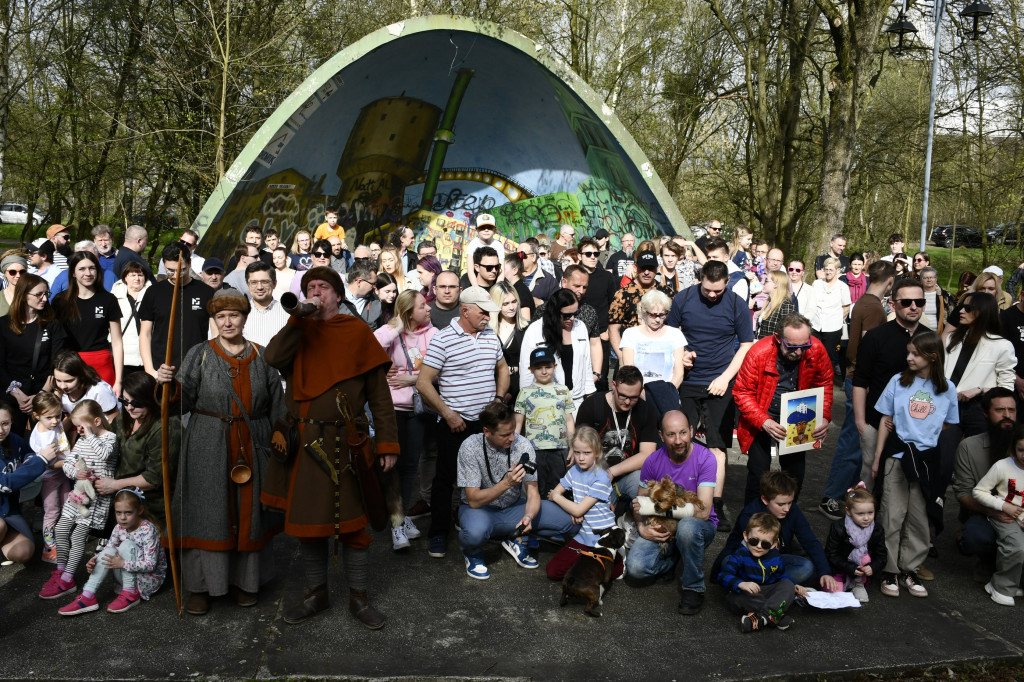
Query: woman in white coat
[(129, 291), (560, 330), (978, 358)]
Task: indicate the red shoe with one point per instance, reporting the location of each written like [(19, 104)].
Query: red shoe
[(56, 586), (81, 605), (124, 601)]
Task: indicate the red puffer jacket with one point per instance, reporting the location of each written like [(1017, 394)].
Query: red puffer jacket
[(759, 375)]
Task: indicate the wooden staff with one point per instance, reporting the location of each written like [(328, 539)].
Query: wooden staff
[(165, 436)]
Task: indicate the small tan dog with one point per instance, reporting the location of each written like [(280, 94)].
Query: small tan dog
[(666, 494)]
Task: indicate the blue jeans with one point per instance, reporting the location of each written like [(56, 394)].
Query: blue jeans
[(978, 538), (626, 487), (846, 461), (127, 551), (480, 525), (693, 537), (799, 569)]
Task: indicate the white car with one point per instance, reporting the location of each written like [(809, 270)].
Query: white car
[(17, 214)]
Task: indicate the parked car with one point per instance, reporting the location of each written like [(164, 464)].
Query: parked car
[(1007, 234), (942, 235), (17, 214)]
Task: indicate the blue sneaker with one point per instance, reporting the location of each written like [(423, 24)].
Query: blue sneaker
[(520, 553), (533, 543), (475, 567), (437, 546)]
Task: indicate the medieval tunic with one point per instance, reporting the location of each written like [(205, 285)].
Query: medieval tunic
[(319, 359), (221, 526)]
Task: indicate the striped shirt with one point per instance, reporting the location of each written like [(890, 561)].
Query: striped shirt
[(595, 483), (465, 367), (262, 325)]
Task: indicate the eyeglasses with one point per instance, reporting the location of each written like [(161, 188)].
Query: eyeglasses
[(15, 273), (133, 403), (627, 398), (763, 544), (589, 254), (908, 302), (568, 316), (321, 254), (657, 316), (491, 268), (801, 346), (259, 283), (41, 294), (795, 269)]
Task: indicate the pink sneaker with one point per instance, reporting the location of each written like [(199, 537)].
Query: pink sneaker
[(124, 601), (56, 586), (81, 605)]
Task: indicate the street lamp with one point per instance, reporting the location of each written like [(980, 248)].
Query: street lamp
[(901, 29), (973, 14)]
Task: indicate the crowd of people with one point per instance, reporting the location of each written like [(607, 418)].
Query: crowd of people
[(325, 392)]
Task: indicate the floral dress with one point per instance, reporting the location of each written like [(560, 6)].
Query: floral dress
[(148, 562)]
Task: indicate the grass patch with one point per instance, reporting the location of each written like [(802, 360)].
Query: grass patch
[(951, 263)]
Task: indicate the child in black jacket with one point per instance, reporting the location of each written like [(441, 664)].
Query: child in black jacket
[(856, 543)]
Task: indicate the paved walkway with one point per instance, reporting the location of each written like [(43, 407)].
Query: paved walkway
[(441, 623)]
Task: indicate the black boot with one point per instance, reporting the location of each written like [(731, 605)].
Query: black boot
[(359, 607), (724, 525), (315, 601)]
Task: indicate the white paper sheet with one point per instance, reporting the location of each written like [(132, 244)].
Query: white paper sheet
[(832, 600)]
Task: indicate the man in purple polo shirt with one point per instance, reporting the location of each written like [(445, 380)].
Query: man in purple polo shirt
[(691, 466)]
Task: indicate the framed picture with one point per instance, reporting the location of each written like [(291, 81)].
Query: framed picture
[(801, 414)]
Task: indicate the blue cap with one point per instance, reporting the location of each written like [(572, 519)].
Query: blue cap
[(542, 355), (213, 264)]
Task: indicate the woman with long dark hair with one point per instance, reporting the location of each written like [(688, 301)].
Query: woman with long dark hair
[(559, 329), (90, 314), (978, 358), (30, 340), (77, 381), (139, 434)]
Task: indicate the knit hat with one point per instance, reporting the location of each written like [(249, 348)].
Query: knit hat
[(228, 299), (324, 274)]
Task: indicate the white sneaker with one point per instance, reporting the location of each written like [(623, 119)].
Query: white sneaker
[(399, 540), (411, 531), (860, 593), (998, 597)]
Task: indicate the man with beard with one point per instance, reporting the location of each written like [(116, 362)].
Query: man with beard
[(621, 260), (974, 457), (60, 236), (103, 237)]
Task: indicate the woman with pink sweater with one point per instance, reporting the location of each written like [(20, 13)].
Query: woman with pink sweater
[(405, 339)]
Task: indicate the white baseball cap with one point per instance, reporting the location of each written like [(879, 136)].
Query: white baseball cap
[(478, 296), (995, 270), (484, 219)]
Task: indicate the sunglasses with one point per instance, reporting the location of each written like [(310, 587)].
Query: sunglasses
[(588, 254), (763, 544), (908, 302), (568, 316), (795, 269), (919, 260), (133, 403), (968, 308), (14, 273), (802, 346), (320, 254), (491, 268), (657, 316)]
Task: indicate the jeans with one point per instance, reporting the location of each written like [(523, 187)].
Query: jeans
[(626, 487), (411, 437), (979, 538), (846, 461), (482, 524), (693, 537), (799, 569), (129, 552), (448, 444)]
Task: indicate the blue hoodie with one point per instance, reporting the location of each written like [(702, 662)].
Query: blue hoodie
[(19, 466)]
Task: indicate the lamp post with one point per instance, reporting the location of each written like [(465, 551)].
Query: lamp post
[(974, 12)]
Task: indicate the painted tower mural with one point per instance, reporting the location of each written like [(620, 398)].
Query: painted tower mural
[(429, 122)]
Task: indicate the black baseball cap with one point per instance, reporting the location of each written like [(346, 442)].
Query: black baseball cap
[(542, 355), (647, 261)]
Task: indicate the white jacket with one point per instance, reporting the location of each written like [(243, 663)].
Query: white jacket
[(129, 335), (992, 364), (582, 367)]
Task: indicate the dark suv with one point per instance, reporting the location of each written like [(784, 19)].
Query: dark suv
[(1007, 234), (942, 235)]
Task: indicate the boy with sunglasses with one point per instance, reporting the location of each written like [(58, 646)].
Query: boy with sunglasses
[(756, 578)]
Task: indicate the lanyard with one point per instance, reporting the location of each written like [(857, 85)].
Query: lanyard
[(618, 431)]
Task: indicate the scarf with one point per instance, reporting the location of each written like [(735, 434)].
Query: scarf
[(859, 539), (330, 352)]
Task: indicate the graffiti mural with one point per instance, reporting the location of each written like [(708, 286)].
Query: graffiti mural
[(428, 123)]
